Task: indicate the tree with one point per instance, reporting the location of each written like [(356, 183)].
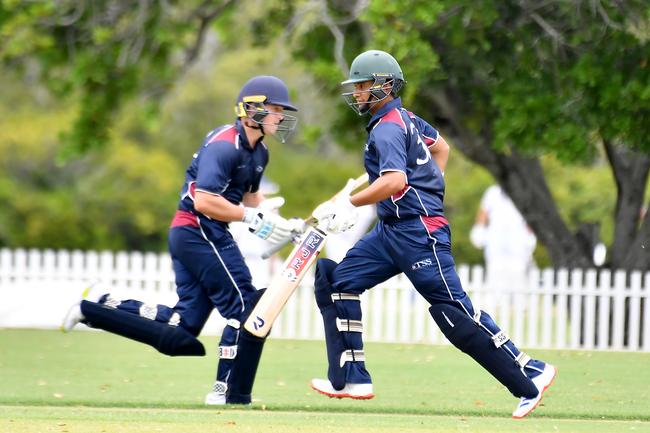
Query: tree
[(104, 52), (509, 81)]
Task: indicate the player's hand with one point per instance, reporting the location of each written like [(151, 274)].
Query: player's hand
[(268, 225), (337, 215)]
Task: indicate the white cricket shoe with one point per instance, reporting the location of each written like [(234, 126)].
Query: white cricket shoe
[(357, 391), (541, 382), (72, 317), (217, 396), (74, 314)]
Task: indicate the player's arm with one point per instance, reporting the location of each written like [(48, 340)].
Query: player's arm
[(440, 152), (388, 184), (217, 207), (252, 199)]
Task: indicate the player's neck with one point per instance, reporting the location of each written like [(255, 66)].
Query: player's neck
[(379, 105), (252, 135)]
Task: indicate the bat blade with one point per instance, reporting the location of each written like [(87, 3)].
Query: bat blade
[(285, 283)]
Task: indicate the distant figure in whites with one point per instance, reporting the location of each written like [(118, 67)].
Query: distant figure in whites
[(507, 242), (338, 244)]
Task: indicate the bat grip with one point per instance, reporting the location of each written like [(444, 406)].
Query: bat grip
[(274, 249)]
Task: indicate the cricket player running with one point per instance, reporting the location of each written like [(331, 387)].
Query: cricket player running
[(405, 158), (221, 185)]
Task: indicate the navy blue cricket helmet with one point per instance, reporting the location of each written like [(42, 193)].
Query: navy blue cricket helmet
[(261, 90), (271, 88)]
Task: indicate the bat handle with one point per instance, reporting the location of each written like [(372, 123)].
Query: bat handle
[(274, 249), (277, 247)]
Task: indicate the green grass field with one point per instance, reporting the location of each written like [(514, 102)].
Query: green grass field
[(96, 382)]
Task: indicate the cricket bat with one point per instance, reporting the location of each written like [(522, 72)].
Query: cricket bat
[(294, 269)]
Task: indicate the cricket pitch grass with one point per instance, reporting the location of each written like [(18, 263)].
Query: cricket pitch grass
[(96, 382)]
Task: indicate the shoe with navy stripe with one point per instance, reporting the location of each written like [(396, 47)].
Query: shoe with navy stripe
[(541, 382)]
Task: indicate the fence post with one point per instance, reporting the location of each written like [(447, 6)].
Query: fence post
[(575, 292), (646, 313), (376, 303), (533, 308), (635, 307), (561, 307), (547, 307), (620, 293), (405, 309), (590, 309), (604, 299)]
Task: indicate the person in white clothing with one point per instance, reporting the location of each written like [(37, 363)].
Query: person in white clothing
[(507, 242)]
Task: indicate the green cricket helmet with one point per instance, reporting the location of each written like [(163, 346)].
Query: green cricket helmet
[(379, 67)]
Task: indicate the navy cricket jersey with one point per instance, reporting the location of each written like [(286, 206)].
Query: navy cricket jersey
[(224, 165), (398, 140)]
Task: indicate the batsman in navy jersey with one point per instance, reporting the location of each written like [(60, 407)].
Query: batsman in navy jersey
[(405, 158), (221, 185)]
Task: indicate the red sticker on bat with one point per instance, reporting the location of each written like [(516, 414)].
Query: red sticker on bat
[(308, 249)]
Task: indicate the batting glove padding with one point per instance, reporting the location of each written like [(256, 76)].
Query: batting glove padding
[(268, 225), (340, 214)]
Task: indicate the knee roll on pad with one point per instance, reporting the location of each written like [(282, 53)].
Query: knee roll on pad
[(167, 339), (464, 333)]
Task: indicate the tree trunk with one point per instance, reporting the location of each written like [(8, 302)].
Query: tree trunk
[(638, 256), (630, 170)]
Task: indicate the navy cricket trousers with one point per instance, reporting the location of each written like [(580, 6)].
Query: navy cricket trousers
[(210, 273), (404, 246)]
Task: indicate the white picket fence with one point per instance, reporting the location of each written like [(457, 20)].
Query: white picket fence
[(560, 309)]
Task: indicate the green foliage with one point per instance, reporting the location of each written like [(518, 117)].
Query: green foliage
[(121, 198), (101, 53), (104, 85)]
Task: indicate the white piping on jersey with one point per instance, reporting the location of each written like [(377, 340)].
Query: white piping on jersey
[(189, 191), (209, 192), (434, 141), (420, 200), (435, 254), (232, 280), (406, 179)]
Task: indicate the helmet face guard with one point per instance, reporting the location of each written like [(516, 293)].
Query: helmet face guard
[(377, 92), (254, 108)]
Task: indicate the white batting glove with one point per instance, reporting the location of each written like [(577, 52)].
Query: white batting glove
[(273, 203), (337, 215), (268, 225)]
